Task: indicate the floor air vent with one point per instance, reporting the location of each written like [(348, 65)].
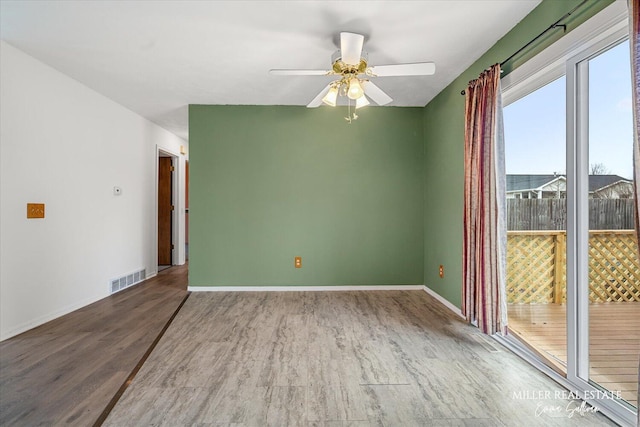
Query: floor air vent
[(129, 280)]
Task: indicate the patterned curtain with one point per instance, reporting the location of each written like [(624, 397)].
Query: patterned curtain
[(485, 236)]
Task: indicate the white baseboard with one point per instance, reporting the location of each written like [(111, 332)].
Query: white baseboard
[(23, 327), (303, 288), (34, 323), (444, 302)]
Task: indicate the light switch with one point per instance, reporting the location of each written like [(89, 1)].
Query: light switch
[(35, 210), (297, 262)]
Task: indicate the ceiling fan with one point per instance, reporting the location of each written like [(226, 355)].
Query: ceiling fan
[(349, 65)]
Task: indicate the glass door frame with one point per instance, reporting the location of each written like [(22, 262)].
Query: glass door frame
[(570, 56), (577, 75)]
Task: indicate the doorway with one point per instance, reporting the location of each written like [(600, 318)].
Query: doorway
[(166, 209)]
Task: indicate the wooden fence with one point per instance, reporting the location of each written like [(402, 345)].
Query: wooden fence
[(537, 265), (551, 214)]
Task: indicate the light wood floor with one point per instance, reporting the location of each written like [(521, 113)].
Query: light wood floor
[(614, 340), (68, 371), (385, 358)]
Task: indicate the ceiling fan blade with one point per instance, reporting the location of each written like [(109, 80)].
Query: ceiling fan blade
[(299, 72), (317, 101), (415, 69), (351, 48), (375, 93)]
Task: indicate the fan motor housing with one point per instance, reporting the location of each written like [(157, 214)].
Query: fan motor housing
[(340, 67)]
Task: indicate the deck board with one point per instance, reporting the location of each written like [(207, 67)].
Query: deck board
[(614, 340)]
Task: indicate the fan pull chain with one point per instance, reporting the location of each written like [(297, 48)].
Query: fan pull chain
[(350, 117)]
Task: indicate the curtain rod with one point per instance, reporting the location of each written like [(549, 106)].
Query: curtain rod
[(553, 26)]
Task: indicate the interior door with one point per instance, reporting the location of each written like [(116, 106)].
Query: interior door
[(165, 210)]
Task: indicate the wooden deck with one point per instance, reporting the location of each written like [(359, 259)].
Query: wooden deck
[(614, 340)]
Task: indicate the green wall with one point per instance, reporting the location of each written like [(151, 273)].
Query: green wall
[(376, 202), (270, 182), (444, 140)]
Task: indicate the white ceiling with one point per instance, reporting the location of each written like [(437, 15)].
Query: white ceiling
[(156, 57)]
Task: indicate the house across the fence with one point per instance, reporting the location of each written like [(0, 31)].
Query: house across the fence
[(555, 187)]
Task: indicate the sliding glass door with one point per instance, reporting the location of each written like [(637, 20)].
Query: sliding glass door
[(608, 280), (573, 270), (535, 152)]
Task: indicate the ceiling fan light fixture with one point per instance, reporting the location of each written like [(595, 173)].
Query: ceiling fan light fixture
[(355, 90), (331, 97), (352, 73), (362, 102)]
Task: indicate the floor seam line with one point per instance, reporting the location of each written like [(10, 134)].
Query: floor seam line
[(112, 403)]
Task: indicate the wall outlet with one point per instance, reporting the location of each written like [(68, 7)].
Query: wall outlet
[(441, 271), (297, 262)]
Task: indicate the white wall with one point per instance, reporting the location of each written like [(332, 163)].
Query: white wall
[(67, 146)]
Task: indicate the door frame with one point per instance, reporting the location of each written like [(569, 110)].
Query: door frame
[(175, 198), (577, 73), (566, 56)]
